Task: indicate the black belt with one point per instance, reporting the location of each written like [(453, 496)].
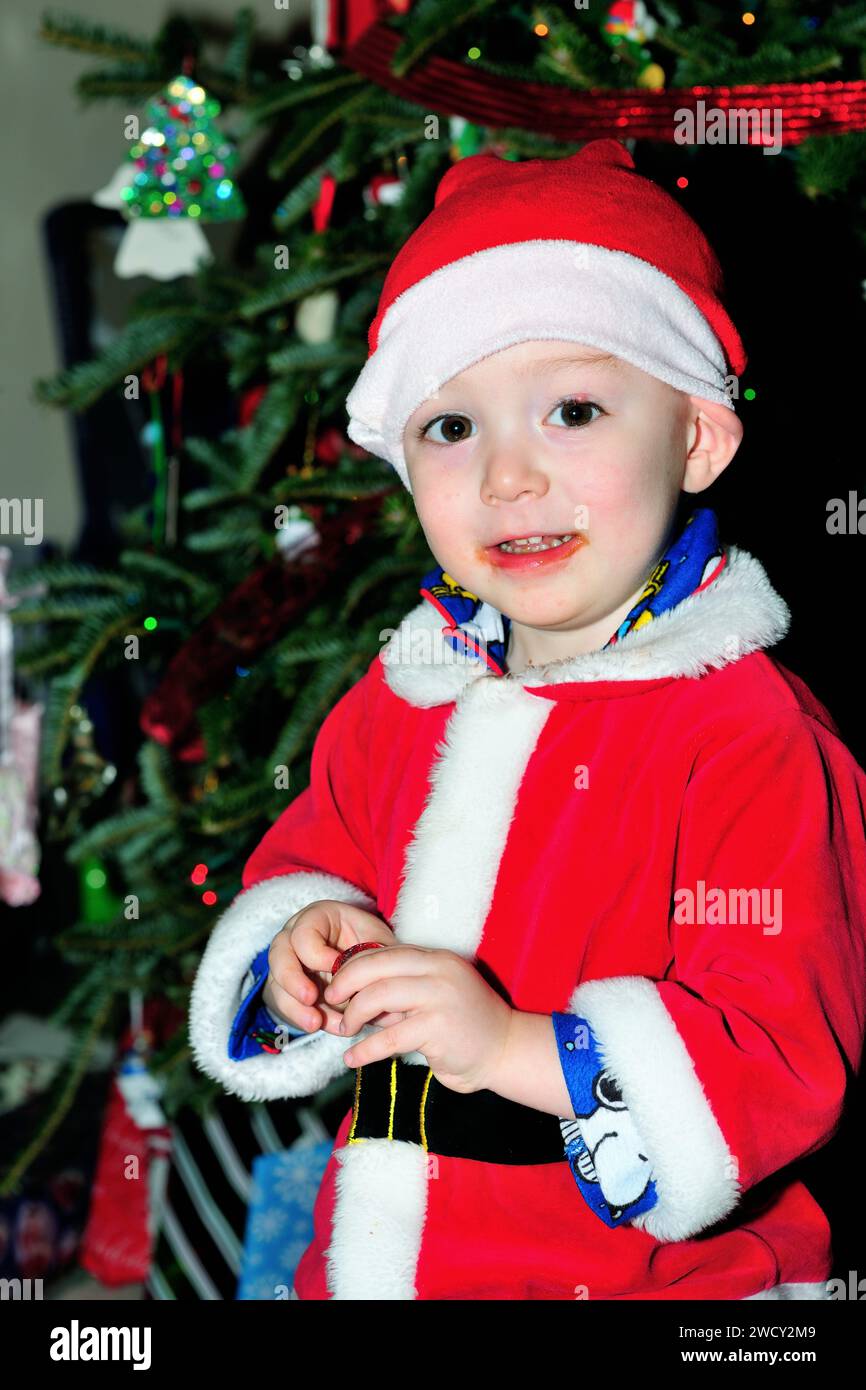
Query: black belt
[(400, 1100)]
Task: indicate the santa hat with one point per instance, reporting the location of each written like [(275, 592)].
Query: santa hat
[(581, 249)]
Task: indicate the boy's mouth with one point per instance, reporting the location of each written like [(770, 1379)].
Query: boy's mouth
[(532, 552), (520, 545)]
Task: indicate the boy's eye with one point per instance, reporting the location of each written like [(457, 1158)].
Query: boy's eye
[(453, 429), (575, 412)]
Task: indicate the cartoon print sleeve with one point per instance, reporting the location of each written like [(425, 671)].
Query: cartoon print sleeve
[(607, 1156), (320, 847), (254, 1018), (734, 1064)]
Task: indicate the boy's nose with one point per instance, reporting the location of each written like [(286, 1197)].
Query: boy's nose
[(510, 473)]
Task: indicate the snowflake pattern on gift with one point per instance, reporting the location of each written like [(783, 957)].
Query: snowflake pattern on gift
[(280, 1217)]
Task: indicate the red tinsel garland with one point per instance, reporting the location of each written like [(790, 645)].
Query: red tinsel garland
[(456, 89)]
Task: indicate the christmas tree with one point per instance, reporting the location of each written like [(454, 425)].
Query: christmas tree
[(255, 585)]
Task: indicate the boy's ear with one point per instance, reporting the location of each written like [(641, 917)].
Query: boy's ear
[(716, 433)]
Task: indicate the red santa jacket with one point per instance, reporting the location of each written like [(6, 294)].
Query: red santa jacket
[(665, 838)]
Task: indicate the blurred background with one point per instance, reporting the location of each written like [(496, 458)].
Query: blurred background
[(201, 206)]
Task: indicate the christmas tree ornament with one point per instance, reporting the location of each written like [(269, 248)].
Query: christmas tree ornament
[(20, 724), (324, 204), (383, 190), (166, 469), (97, 904), (179, 174), (316, 317), (627, 28), (652, 76), (135, 1147), (629, 25), (316, 314), (297, 533), (466, 138), (84, 778), (113, 195)]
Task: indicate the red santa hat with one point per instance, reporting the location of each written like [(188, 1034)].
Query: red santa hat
[(581, 249)]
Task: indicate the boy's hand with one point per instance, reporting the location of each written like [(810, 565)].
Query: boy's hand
[(301, 954), (449, 1013)]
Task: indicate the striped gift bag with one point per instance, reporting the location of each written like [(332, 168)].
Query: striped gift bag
[(239, 1174)]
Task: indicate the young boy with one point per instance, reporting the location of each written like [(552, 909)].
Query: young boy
[(614, 849)]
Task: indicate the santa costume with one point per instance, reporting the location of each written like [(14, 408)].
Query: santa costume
[(696, 906)]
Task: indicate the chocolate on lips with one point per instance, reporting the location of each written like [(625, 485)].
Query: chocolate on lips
[(532, 552)]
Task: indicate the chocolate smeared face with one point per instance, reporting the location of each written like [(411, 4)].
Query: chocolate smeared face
[(546, 479)]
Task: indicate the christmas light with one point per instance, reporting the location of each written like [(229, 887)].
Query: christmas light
[(199, 874), (209, 897)]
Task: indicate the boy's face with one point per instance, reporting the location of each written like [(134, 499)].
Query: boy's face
[(553, 438)]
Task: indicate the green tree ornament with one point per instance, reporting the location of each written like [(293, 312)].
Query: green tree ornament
[(180, 173)]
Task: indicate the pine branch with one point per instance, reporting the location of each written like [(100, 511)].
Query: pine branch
[(288, 286), (318, 696), (428, 23), (152, 566), (64, 575), (156, 766), (71, 608), (348, 487), (236, 64), (145, 338), (296, 203), (61, 1096), (244, 800), (136, 81), (70, 32), (274, 418), (230, 534), (379, 572), (103, 838), (40, 659), (306, 134), (285, 96), (220, 458), (316, 357), (298, 649)]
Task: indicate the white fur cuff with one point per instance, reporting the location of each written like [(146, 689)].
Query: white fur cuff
[(695, 1174), (248, 925)]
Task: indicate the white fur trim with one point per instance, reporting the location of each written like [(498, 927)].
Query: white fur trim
[(792, 1291), (452, 861), (379, 1211), (738, 613), (307, 1063), (451, 866), (782, 1291), (539, 290), (694, 1171)]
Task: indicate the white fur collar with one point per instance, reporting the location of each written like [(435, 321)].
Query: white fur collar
[(738, 613)]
